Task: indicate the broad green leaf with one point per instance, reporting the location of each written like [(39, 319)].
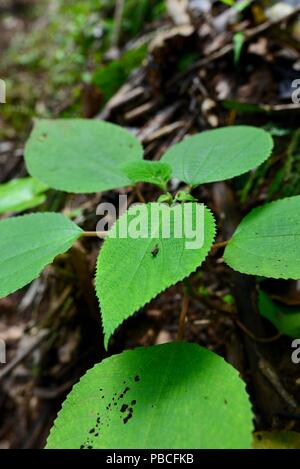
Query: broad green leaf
[(20, 194), (285, 319), (131, 271), (276, 440), (243, 107), (176, 395), (28, 243), (153, 172), (215, 155), (80, 155), (267, 241)]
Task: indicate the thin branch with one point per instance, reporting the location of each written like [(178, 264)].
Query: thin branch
[(118, 16), (139, 194), (270, 373)]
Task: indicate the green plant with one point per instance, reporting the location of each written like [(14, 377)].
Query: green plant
[(109, 78), (178, 394)]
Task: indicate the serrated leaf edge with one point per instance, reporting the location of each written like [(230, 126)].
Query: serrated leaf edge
[(106, 339), (113, 357)]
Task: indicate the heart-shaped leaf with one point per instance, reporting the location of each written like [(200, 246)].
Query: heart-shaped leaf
[(215, 155), (80, 155), (28, 243), (176, 395), (267, 241), (147, 252)]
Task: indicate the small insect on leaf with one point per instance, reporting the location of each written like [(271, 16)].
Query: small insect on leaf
[(155, 250)]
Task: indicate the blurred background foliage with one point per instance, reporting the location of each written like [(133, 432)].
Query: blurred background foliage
[(61, 47)]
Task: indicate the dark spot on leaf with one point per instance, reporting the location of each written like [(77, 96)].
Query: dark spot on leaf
[(133, 402), (42, 137), (225, 401), (92, 430), (137, 378), (124, 407), (125, 420)]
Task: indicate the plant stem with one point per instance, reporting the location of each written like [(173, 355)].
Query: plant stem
[(95, 234), (182, 316), (222, 244)]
